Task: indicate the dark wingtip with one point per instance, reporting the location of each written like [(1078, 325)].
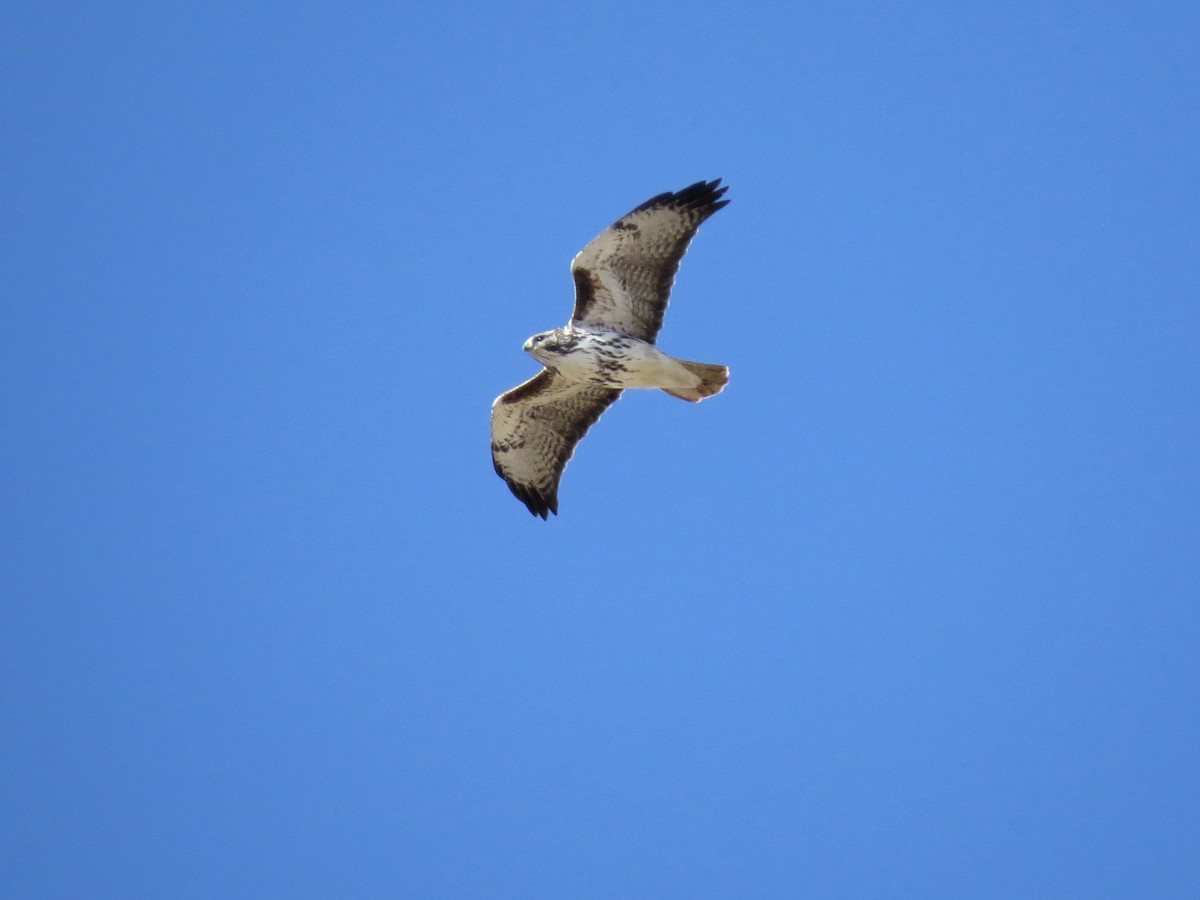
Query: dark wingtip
[(541, 506), (703, 195), (535, 502)]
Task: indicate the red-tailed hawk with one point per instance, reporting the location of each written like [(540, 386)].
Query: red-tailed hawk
[(623, 281)]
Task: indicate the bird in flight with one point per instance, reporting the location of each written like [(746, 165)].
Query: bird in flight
[(623, 282)]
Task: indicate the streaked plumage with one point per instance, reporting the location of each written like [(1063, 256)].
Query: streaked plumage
[(623, 282)]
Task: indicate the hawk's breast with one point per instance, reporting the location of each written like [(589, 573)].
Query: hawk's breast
[(615, 360)]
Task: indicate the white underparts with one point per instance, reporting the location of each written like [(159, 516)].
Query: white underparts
[(611, 359)]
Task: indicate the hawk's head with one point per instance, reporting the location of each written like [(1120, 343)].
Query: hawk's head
[(549, 345)]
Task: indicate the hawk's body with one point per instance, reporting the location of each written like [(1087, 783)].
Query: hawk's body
[(610, 359), (623, 282)]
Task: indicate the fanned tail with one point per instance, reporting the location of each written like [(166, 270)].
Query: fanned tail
[(712, 381)]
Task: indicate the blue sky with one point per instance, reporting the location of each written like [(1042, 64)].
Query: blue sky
[(911, 610)]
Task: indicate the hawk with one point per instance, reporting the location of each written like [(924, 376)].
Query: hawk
[(623, 281)]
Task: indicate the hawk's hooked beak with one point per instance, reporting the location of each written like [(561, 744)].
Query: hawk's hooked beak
[(528, 345)]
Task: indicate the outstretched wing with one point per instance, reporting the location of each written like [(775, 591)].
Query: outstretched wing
[(623, 278), (535, 428)]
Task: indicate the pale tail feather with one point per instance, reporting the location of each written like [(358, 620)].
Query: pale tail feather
[(712, 381)]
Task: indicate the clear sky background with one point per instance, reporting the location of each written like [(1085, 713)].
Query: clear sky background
[(911, 610)]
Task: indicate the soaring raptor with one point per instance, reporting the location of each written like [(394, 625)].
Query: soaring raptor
[(623, 281)]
